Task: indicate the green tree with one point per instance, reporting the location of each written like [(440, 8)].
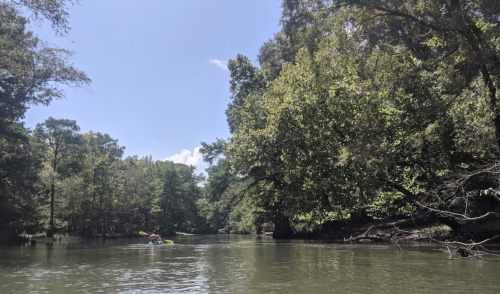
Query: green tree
[(102, 152), (72, 196), (246, 79), (30, 73), (20, 162), (175, 194), (54, 11), (62, 139), (135, 194), (379, 109)]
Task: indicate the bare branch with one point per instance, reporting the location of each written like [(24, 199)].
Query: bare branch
[(469, 244), (459, 215)]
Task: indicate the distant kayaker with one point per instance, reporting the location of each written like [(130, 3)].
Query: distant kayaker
[(154, 237)]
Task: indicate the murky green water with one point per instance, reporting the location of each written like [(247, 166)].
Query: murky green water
[(240, 264)]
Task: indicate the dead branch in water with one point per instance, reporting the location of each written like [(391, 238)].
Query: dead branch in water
[(365, 236), (377, 238), (467, 250), (453, 248)]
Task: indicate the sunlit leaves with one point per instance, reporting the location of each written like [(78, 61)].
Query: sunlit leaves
[(379, 92)]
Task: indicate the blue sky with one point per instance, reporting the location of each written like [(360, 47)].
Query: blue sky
[(159, 84)]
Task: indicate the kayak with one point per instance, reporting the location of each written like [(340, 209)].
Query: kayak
[(161, 242)]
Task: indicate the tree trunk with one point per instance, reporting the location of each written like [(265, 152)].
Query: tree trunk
[(492, 92), (282, 229), (50, 231), (104, 226)]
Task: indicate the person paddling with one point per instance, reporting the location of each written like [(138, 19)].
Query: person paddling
[(155, 238)]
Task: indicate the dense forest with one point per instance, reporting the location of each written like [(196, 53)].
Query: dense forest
[(358, 112)]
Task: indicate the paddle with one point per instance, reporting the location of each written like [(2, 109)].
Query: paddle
[(142, 233)]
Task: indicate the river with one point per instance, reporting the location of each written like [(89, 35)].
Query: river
[(240, 264)]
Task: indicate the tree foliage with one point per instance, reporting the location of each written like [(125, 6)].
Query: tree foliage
[(31, 72), (55, 11), (371, 108), (61, 139)]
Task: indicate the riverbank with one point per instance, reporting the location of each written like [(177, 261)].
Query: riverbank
[(417, 228), (41, 238), (410, 229)]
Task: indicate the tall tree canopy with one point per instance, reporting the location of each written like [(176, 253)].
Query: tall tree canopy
[(62, 138), (372, 107), (55, 11), (31, 72)]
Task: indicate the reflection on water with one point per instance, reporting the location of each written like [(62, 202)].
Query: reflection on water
[(239, 264)]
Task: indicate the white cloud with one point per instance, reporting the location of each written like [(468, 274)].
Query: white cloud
[(186, 157), (220, 63)]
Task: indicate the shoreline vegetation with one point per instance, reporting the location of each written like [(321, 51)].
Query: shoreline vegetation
[(390, 231)]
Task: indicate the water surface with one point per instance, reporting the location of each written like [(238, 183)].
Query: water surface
[(240, 264)]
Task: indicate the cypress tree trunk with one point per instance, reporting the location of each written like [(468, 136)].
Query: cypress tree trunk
[(50, 231), (282, 229)]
